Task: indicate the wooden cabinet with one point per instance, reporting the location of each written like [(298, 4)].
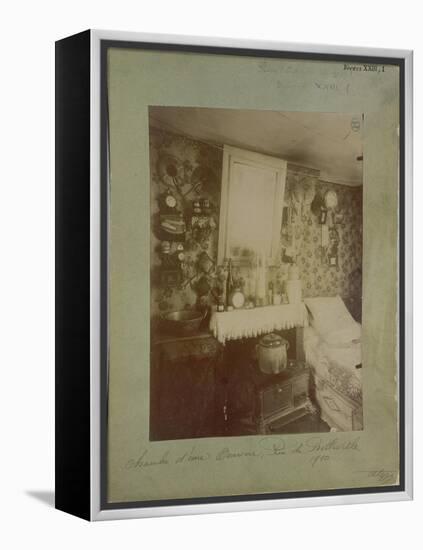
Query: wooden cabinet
[(184, 401), (201, 389)]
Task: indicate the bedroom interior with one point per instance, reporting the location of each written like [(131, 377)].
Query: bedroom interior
[(256, 272)]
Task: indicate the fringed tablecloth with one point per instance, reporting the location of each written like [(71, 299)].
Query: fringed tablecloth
[(248, 323)]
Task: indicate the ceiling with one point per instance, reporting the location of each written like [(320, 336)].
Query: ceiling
[(328, 142)]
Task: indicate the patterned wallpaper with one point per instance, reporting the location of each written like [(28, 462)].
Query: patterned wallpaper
[(191, 170), (318, 278), (198, 176)]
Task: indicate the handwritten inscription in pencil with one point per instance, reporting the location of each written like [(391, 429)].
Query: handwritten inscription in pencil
[(316, 450)]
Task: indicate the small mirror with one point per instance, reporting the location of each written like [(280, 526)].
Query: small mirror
[(253, 187)]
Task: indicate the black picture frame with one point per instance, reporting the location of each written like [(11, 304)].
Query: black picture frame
[(75, 62)]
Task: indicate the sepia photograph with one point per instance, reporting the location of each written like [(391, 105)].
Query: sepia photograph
[(255, 272), (252, 271), (209, 299)]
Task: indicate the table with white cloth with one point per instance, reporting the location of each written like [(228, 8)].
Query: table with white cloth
[(250, 323)]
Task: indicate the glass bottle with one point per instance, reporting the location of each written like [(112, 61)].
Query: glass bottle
[(229, 283)]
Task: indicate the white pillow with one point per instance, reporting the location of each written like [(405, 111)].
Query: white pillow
[(333, 321)]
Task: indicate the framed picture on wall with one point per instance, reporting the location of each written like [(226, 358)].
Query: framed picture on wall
[(233, 272)]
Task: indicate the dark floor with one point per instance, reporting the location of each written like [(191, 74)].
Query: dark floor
[(311, 423), (306, 424)]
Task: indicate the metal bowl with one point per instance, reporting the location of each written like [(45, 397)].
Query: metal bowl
[(181, 322)]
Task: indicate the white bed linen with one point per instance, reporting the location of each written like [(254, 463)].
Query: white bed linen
[(333, 321), (321, 355)]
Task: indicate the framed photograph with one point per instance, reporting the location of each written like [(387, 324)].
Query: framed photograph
[(233, 275)]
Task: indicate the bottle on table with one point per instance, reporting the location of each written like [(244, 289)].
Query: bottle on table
[(229, 283)]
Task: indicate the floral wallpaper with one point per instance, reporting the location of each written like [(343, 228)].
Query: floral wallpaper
[(319, 278), (190, 171)]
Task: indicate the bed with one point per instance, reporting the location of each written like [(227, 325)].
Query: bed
[(332, 347)]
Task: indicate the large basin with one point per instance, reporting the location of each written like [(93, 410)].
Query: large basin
[(181, 322)]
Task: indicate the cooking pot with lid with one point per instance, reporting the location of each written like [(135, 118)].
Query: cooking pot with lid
[(272, 353)]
